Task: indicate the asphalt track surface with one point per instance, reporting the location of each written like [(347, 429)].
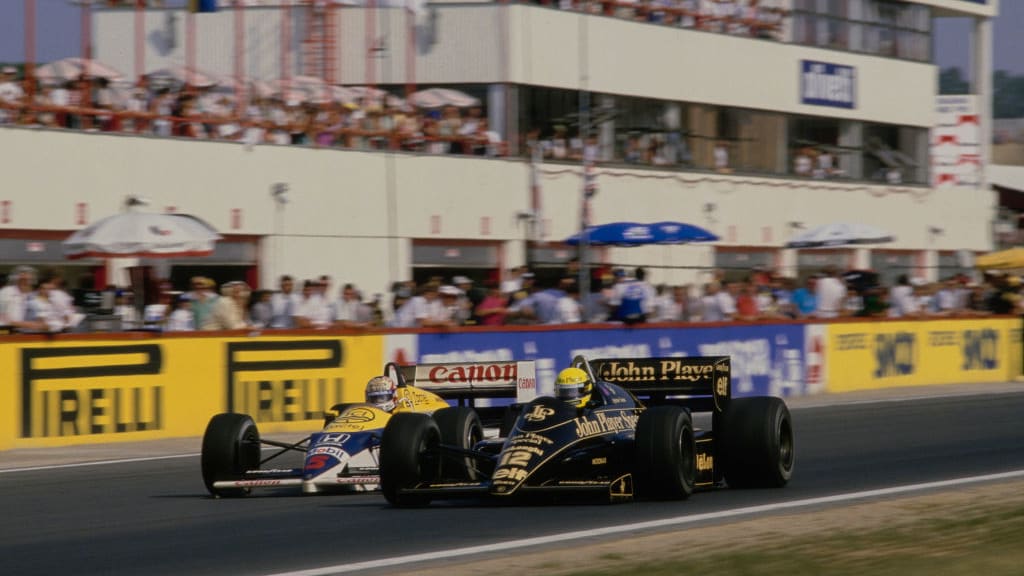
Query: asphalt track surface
[(154, 517)]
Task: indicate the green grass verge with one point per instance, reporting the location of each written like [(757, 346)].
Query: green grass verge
[(985, 538)]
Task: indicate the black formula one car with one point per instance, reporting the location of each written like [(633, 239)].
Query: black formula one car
[(635, 437)]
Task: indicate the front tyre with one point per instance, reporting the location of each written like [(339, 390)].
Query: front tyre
[(460, 427), (666, 466), (408, 457), (231, 446), (759, 445)]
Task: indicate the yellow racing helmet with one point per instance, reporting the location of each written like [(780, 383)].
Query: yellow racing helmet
[(574, 386)]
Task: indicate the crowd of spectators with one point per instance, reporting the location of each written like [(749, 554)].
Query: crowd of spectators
[(35, 303), (627, 297), (282, 118), (177, 110), (755, 18)]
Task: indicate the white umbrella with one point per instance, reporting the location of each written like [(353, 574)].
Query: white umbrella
[(375, 96), (182, 75), (440, 97), (840, 234), (68, 69), (133, 234), (310, 89)]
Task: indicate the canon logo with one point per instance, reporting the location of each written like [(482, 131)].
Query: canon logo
[(505, 372)]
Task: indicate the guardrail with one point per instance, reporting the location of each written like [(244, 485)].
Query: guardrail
[(95, 388)]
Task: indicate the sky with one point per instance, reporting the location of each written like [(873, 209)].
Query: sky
[(58, 34)]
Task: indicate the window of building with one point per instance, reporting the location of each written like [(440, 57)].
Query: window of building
[(883, 27)]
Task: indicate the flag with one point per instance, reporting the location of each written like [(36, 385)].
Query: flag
[(202, 6)]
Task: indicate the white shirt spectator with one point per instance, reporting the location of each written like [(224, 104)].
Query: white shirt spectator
[(284, 308), (181, 320), (831, 296), (901, 301), (13, 304), (316, 310), (666, 309), (726, 305), (568, 310), (41, 309)]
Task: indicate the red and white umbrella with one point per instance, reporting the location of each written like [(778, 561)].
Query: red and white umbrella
[(143, 235), (68, 69)]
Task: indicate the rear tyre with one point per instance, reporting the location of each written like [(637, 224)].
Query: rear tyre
[(666, 466), (231, 446), (759, 446), (336, 409), (408, 456), (459, 426)]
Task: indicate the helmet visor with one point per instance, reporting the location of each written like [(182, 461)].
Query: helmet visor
[(569, 391)]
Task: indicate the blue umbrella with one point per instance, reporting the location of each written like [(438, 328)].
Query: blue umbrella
[(637, 234)]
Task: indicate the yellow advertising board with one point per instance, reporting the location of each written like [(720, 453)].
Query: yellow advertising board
[(66, 392), (870, 355)]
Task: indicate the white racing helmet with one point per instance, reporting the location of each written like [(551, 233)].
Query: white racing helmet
[(380, 391)]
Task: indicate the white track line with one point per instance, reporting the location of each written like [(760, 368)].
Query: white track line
[(666, 522), (98, 463)]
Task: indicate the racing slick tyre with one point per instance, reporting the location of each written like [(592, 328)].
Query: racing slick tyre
[(335, 411), (459, 426), (666, 465), (231, 446), (758, 434), (408, 456)]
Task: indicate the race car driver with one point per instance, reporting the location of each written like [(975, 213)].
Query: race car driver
[(574, 387), (380, 391)]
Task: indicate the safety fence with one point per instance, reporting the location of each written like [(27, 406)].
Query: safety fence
[(84, 389)]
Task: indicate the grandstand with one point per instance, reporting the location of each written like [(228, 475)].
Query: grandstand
[(754, 120)]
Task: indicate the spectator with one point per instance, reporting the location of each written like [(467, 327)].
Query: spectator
[(181, 318), (229, 312), (11, 94), (666, 309), (569, 309), (313, 311), (491, 310), (284, 304), (805, 297), (633, 298), (455, 306), (42, 315), (727, 300), (349, 311), (202, 298), (124, 308), (803, 163), (711, 307), (471, 295), (154, 316), (1005, 298), (746, 302), (830, 294), (262, 313), (900, 297), (721, 158)]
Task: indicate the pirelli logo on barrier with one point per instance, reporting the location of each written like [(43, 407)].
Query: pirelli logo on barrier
[(284, 381), (84, 390)]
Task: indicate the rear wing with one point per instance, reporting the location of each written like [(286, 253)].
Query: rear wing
[(471, 380), (700, 382)]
